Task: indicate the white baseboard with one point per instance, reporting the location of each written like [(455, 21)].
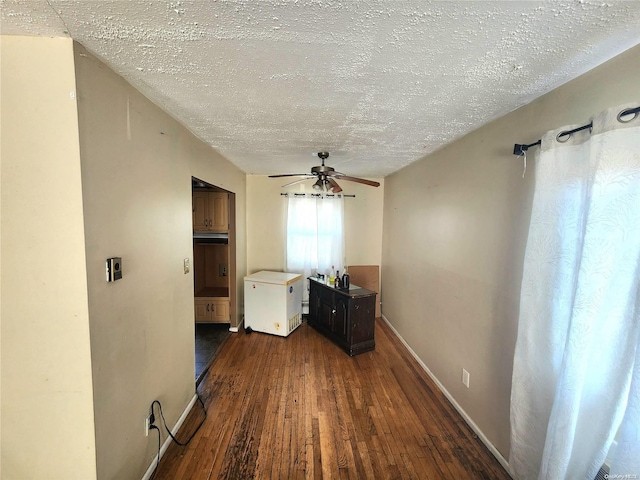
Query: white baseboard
[(235, 329), (455, 404), (167, 442)]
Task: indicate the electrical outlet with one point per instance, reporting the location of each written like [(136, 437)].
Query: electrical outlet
[(223, 270), (465, 378), (147, 424)]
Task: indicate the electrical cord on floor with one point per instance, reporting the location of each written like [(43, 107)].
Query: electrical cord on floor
[(204, 410), (154, 427)]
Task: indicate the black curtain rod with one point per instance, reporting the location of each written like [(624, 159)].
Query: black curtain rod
[(317, 195), (519, 149)]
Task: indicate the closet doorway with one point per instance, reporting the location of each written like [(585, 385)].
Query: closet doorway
[(214, 270)]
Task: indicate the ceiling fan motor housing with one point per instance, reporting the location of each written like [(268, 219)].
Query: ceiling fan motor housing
[(321, 169)]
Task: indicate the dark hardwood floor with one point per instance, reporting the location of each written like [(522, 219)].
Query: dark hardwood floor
[(299, 407), (210, 338)]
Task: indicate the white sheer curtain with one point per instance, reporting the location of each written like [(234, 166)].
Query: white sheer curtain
[(315, 234), (576, 375)]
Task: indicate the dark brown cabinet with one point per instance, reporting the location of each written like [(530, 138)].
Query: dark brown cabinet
[(345, 316)]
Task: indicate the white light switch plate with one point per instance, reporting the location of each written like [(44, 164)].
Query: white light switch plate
[(465, 378)]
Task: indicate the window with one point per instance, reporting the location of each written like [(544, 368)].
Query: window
[(315, 234)]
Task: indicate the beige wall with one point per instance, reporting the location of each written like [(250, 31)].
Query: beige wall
[(455, 228), (107, 176), (137, 164), (266, 220), (47, 398)]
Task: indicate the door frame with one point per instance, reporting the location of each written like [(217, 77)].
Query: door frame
[(232, 268)]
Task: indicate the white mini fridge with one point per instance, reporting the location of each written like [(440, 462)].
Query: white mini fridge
[(273, 302)]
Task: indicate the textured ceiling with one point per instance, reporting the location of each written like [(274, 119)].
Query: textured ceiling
[(379, 84)]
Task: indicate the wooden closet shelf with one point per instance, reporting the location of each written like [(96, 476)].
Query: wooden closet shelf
[(213, 292)]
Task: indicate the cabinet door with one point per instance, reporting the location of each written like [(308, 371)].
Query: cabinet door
[(202, 309), (340, 318), (219, 212), (200, 211), (327, 309), (219, 311), (314, 303)]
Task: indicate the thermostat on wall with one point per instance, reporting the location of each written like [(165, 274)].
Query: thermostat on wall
[(114, 269)]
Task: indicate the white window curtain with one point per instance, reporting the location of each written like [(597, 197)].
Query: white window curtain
[(576, 375), (315, 235)]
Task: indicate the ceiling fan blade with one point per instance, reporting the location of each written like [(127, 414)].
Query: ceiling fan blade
[(297, 181), (292, 175), (354, 179), (335, 188)]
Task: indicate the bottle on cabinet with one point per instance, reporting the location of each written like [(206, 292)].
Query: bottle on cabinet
[(332, 276), (345, 279), (338, 280)]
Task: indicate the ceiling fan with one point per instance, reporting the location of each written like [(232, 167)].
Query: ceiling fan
[(326, 177)]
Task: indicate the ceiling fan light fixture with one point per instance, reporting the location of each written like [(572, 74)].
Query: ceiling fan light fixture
[(318, 185)]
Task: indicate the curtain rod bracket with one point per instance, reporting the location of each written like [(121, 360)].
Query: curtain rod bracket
[(519, 149)]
